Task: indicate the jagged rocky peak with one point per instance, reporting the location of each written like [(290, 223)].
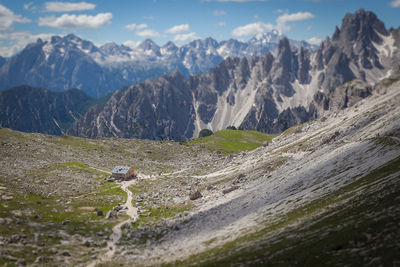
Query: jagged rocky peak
[(74, 41), (268, 37), (170, 46), (206, 43), (360, 25), (114, 49), (210, 42), (149, 44), (281, 72)]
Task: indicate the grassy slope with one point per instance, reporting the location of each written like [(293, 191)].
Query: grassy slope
[(233, 141)]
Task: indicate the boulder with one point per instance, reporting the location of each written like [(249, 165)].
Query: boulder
[(66, 253), (111, 214), (195, 195), (230, 189)]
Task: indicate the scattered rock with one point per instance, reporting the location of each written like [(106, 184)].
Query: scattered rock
[(39, 259), (99, 213), (195, 195), (87, 243), (21, 262), (111, 214), (240, 179), (66, 253), (10, 258), (7, 197), (230, 189), (65, 222)]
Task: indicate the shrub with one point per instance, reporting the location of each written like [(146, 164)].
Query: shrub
[(205, 132)]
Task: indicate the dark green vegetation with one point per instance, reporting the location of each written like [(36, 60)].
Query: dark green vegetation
[(233, 141), (205, 133), (356, 225)]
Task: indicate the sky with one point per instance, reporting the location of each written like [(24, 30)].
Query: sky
[(130, 22)]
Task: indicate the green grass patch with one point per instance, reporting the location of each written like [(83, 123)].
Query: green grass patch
[(389, 81), (233, 141), (161, 213), (76, 142), (295, 129)]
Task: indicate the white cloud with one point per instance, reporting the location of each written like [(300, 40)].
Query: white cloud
[(16, 41), (218, 13), (186, 37), (134, 27), (221, 24), (67, 6), (148, 17), (178, 29), (252, 29), (131, 44), (395, 3), (294, 17), (76, 21), (256, 28), (148, 33), (8, 18), (309, 28), (281, 21), (315, 41), (29, 6)]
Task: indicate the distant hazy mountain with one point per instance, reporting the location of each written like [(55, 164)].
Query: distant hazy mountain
[(2, 61), (70, 62), (268, 93), (30, 109)]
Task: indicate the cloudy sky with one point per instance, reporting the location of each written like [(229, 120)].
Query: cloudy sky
[(181, 21)]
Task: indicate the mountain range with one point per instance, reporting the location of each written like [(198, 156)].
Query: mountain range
[(71, 62), (268, 93), (287, 85)]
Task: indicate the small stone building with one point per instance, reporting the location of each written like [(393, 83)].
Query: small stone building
[(122, 173)]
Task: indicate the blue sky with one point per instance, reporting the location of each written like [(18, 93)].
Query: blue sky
[(132, 21)]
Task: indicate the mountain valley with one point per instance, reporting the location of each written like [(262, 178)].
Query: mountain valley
[(297, 163), (257, 206)]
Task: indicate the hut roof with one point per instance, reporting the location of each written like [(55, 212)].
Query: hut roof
[(121, 169)]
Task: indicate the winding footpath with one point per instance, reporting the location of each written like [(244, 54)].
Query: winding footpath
[(116, 230)]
